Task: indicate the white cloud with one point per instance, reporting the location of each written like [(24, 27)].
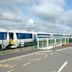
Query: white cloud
[(50, 15), (67, 18), (48, 8), (53, 15), (14, 20), (7, 15), (56, 2), (12, 16), (14, 1), (30, 21)]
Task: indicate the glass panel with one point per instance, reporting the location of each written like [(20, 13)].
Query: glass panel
[(63, 40), (24, 36), (66, 40), (58, 41), (51, 42), (3, 35), (28, 36), (44, 43), (40, 44), (70, 40)]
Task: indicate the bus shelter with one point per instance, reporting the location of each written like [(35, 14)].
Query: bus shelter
[(58, 39), (45, 42), (65, 40)]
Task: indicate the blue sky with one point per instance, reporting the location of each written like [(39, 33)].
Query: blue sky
[(68, 4), (36, 15)]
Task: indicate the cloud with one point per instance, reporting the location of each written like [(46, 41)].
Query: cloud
[(67, 18), (38, 15), (50, 13), (14, 1), (7, 15), (9, 20), (48, 9), (13, 16)]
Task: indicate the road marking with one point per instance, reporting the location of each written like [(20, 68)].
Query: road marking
[(14, 58), (61, 68), (11, 70), (6, 66), (38, 59), (27, 64), (1, 65), (18, 57), (12, 66)]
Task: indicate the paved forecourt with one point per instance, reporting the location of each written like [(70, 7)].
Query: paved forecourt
[(59, 60)]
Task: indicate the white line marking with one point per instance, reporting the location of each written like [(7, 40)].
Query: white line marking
[(18, 57), (21, 56), (27, 63), (12, 66), (38, 59), (1, 65), (61, 68), (6, 66)]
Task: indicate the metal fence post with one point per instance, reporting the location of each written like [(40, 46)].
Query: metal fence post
[(2, 47)]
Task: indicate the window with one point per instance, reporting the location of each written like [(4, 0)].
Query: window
[(11, 36), (28, 36), (3, 35), (24, 35)]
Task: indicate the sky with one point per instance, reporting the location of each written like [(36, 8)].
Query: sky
[(36, 15)]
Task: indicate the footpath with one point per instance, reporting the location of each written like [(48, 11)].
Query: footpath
[(28, 51)]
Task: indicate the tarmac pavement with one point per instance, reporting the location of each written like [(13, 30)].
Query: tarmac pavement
[(59, 60)]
